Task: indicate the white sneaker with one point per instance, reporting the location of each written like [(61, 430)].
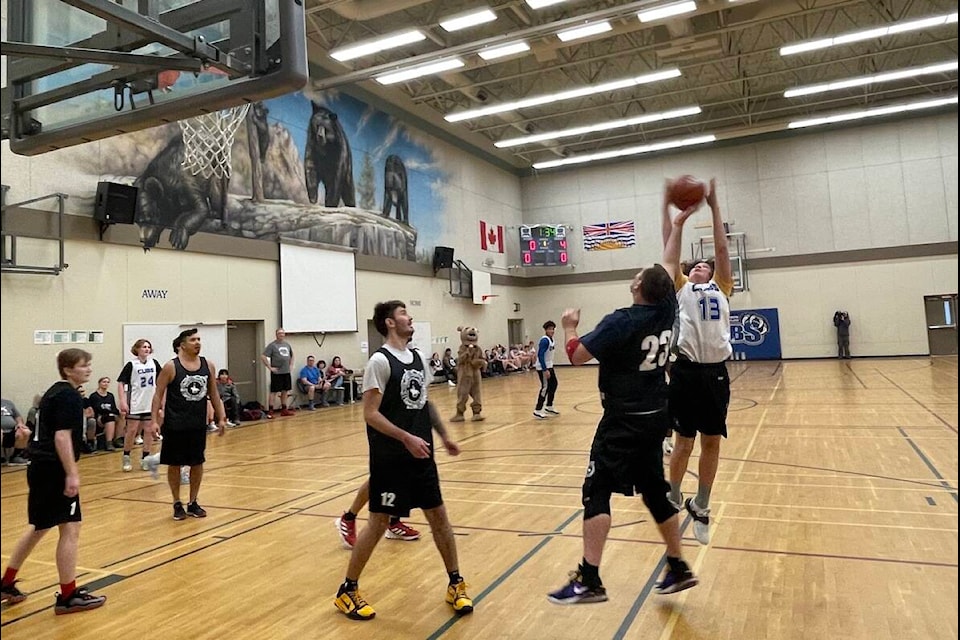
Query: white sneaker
[(184, 475), (232, 424), (550, 409), (151, 463), (451, 383), (667, 446), (139, 440), (212, 427), (127, 465), (542, 415), (701, 521)]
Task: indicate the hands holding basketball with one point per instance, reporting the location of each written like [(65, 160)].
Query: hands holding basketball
[(687, 194)]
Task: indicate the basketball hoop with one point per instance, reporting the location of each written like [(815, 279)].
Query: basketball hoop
[(208, 140)]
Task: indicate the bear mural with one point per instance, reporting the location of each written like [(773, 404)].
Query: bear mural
[(293, 175)]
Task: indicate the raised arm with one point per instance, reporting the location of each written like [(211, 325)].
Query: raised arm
[(722, 271), (665, 224)]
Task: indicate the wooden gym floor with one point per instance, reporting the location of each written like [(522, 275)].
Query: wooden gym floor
[(835, 515)]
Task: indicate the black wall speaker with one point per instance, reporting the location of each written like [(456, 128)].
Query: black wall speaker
[(115, 203), (442, 258)]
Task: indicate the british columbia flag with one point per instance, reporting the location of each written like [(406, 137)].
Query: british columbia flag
[(609, 235)]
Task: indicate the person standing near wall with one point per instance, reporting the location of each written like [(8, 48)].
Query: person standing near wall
[(841, 320), (548, 377), (53, 479), (277, 357)]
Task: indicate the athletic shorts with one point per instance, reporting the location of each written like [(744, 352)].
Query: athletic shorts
[(398, 485), (184, 447), (47, 507), (142, 417), (9, 439), (627, 455), (280, 382), (699, 397)]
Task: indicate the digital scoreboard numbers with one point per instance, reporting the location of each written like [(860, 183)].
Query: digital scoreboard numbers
[(543, 245)]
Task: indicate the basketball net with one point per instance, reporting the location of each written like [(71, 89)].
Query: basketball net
[(208, 140)]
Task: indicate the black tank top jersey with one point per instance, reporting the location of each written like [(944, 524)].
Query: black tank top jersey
[(404, 403), (61, 408), (186, 402)]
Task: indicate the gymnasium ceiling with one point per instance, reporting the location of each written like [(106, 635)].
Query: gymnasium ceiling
[(727, 52)]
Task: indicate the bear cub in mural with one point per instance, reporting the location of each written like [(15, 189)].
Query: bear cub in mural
[(170, 197), (327, 160), (259, 113), (395, 194)]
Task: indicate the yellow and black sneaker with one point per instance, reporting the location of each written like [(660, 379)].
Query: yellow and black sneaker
[(352, 604), (458, 599)]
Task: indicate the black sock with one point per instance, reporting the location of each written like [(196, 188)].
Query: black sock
[(590, 573), (394, 520), (455, 576), (677, 564), (348, 585), (349, 516)]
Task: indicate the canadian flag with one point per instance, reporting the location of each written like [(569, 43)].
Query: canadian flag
[(491, 237)]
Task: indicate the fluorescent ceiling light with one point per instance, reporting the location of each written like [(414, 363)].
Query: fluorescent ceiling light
[(600, 126), (591, 29), (467, 20), (874, 79), (627, 151), (873, 113), (869, 34), (375, 46), (563, 95), (666, 11), (504, 50), (422, 70), (540, 4)]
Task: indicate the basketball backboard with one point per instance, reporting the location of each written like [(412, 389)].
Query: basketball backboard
[(82, 70)]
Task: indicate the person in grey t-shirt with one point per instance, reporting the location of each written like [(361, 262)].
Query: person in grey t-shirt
[(277, 358), (15, 433)]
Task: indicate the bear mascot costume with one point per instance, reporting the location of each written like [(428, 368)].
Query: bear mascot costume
[(470, 362)]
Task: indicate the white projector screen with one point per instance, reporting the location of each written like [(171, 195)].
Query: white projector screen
[(318, 290)]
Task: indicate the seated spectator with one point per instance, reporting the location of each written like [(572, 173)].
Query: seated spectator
[(310, 381), (494, 365), (337, 373), (437, 373), (230, 396), (449, 367), (16, 435), (105, 412), (89, 444)]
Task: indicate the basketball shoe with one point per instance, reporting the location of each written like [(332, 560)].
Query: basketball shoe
[(701, 521), (79, 600), (351, 604), (10, 593), (576, 592), (678, 578), (347, 530), (458, 599), (401, 531), (550, 409), (540, 414)]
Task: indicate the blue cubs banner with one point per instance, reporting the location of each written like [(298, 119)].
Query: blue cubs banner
[(755, 334)]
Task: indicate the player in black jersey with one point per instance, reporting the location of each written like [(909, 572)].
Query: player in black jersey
[(632, 345), (403, 473), (53, 479)]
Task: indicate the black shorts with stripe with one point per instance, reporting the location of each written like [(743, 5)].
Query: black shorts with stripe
[(47, 507), (699, 398)]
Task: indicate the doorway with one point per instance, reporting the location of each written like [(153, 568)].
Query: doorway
[(515, 331), (941, 312), (243, 357)]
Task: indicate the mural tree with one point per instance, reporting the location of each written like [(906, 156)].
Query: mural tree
[(365, 186)]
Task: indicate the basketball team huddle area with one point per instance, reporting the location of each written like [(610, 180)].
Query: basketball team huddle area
[(585, 339)]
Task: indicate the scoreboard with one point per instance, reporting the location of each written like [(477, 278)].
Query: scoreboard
[(543, 245)]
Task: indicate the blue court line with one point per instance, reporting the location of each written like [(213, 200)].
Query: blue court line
[(506, 574), (645, 592), (926, 461)]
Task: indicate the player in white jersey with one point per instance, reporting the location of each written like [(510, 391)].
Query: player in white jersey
[(548, 377), (699, 383), (136, 386)]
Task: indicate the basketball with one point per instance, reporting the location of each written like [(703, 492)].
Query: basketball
[(687, 191)]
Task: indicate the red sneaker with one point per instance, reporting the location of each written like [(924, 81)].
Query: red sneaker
[(401, 531), (347, 530), (288, 412)]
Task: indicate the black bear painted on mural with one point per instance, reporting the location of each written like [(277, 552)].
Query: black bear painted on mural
[(395, 192), (260, 111), (170, 197), (328, 160)]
